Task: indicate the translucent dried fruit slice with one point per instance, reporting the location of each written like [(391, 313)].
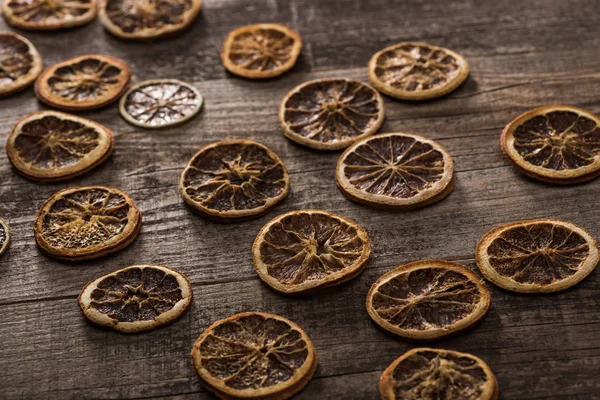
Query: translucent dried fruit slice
[(557, 144), (137, 298), (234, 179), (417, 71), (160, 103), (301, 251), (4, 236), (436, 374), (20, 63), (54, 146), (48, 14), (261, 50), (149, 19), (254, 356), (86, 222), (83, 83), (395, 170), (542, 255)]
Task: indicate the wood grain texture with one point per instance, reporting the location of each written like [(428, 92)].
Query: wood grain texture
[(522, 55)]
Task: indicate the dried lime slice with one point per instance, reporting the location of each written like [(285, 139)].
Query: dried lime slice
[(48, 14), (20, 63)]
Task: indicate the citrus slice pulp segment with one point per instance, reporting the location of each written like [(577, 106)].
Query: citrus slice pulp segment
[(20, 63), (48, 14), (4, 236)]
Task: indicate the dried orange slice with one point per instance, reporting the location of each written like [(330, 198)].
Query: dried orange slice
[(48, 14), (395, 170), (4, 236), (234, 179), (254, 355), (20, 63), (428, 299), (261, 50), (541, 255), (86, 222), (137, 298), (160, 103), (557, 144), (54, 146), (435, 374), (83, 83), (134, 19), (301, 251), (417, 71)]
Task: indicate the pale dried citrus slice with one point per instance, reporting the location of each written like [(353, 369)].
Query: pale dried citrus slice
[(4, 236), (147, 19), (301, 251), (83, 83), (557, 144), (541, 255), (395, 170), (20, 63), (86, 222), (261, 50), (48, 14), (254, 355), (234, 179), (54, 146), (417, 71), (137, 298), (436, 374), (160, 103)]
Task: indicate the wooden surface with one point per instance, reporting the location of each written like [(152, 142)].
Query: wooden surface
[(522, 54)]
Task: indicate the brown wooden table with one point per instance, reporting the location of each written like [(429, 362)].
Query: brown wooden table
[(522, 54)]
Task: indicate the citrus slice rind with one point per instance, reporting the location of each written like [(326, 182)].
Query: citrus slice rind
[(395, 171), (432, 374), (233, 180), (331, 113), (537, 256), (254, 355), (140, 20), (160, 103), (48, 14), (428, 299), (417, 71), (4, 236), (83, 83), (301, 251), (20, 63), (261, 50), (556, 144), (136, 298), (86, 222), (53, 146)]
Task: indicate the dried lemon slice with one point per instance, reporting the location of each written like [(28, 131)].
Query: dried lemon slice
[(234, 179), (557, 144), (86, 222), (417, 71), (301, 251), (4, 236), (54, 146), (48, 14), (137, 298), (261, 50), (20, 63), (254, 356), (434, 374), (542, 255), (395, 170)]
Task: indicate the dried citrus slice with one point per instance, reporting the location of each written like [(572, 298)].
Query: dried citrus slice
[(137, 298), (20, 63), (160, 103), (48, 14), (148, 19), (53, 146), (234, 179), (86, 222), (4, 236), (83, 83), (417, 71), (305, 250), (542, 255), (261, 50), (557, 144), (395, 170), (254, 355), (436, 374)]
